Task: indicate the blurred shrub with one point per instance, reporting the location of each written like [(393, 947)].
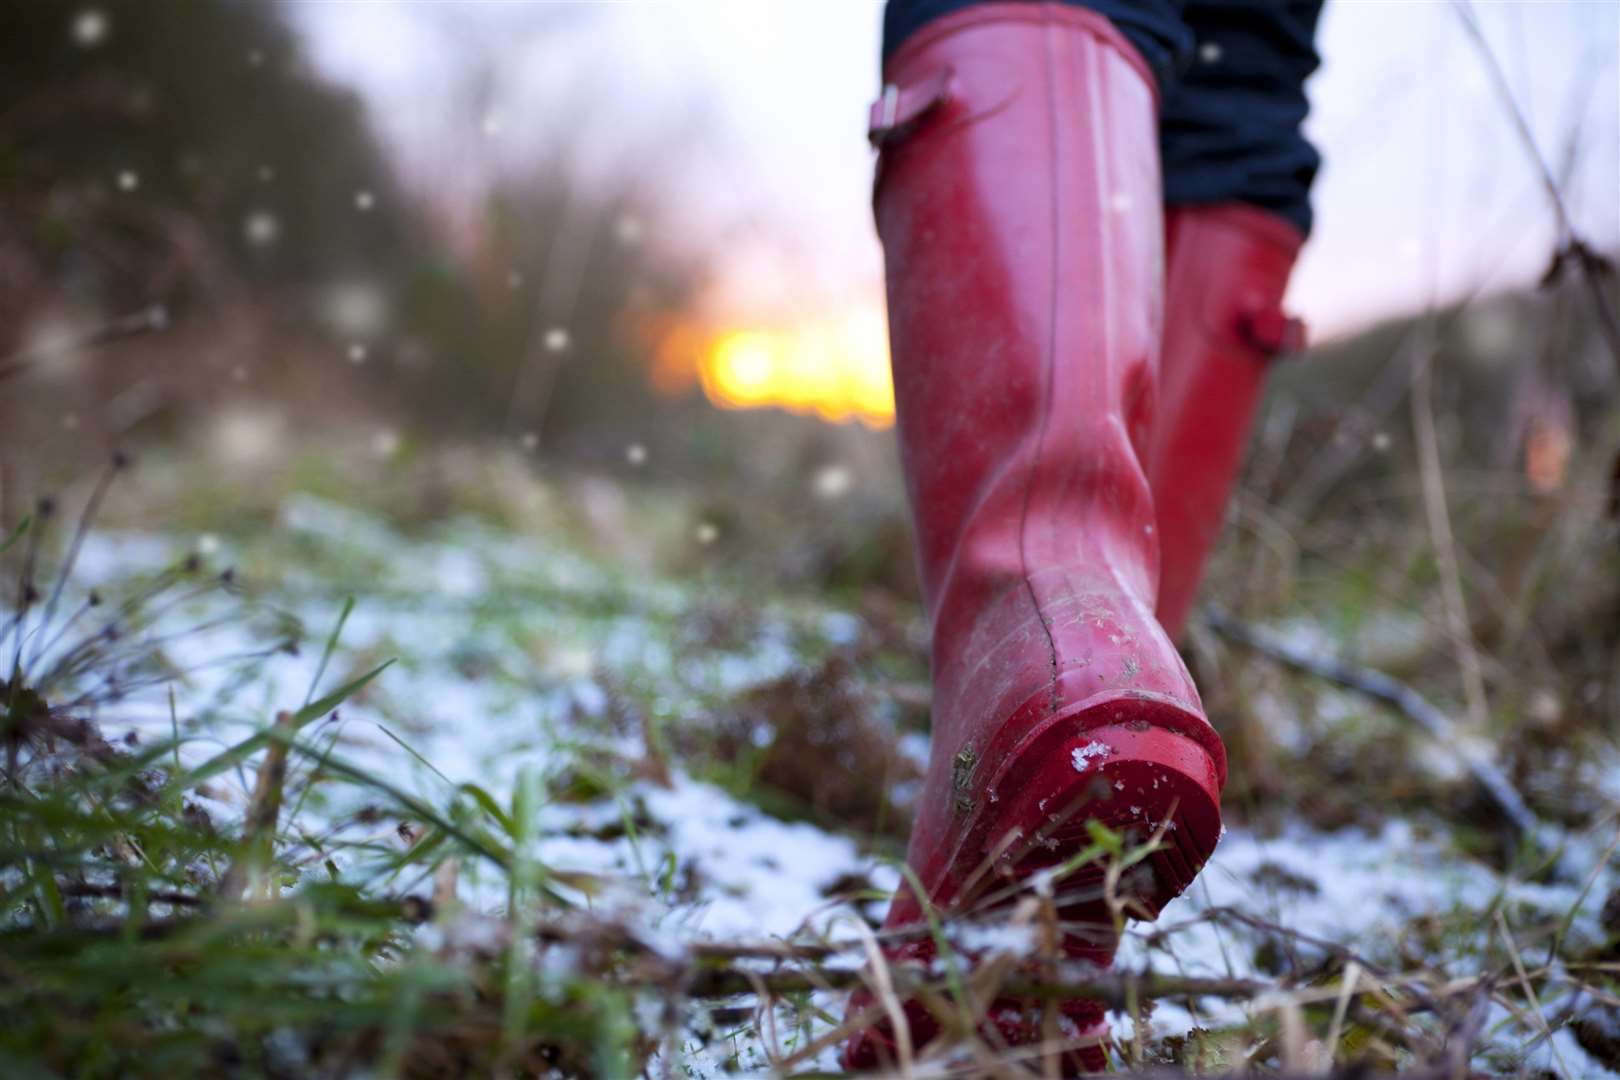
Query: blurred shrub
[(186, 158), (174, 152)]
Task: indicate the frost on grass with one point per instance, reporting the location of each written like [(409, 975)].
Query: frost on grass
[(523, 652), (1312, 892), (481, 692)]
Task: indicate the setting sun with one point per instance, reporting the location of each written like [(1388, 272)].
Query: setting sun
[(838, 369)]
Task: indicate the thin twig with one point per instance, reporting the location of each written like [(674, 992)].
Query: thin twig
[(1070, 982), (264, 809), (1392, 692), (1529, 990), (883, 988), (145, 321), (1444, 542), (1573, 248)]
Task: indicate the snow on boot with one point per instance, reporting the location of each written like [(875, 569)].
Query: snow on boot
[(1018, 201)]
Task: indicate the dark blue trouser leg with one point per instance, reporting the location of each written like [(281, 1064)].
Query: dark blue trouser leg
[(1229, 126), (1155, 27), (1232, 79)]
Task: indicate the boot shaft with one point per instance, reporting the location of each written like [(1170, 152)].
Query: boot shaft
[(1017, 201), (1227, 267)]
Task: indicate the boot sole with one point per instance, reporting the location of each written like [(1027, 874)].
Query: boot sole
[(1117, 759)]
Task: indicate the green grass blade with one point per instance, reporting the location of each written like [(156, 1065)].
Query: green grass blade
[(252, 744), (331, 647), (17, 533)]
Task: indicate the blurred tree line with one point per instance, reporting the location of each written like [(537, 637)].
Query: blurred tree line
[(190, 214)]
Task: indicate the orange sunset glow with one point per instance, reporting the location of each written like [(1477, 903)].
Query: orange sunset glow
[(836, 367)]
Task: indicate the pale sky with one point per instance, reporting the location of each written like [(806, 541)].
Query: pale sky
[(752, 113)]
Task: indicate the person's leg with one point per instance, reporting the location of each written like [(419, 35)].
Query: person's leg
[(1237, 177), (1020, 208)]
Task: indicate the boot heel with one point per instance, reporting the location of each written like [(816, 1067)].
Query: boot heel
[(1116, 762)]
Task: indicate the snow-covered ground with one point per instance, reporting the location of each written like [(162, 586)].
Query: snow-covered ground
[(510, 651)]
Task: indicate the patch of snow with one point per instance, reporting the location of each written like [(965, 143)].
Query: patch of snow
[(690, 861), (1362, 887), (1083, 755), (766, 876), (997, 937), (914, 748)]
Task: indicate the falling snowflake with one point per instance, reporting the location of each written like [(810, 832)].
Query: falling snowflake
[(357, 353), (70, 422), (1381, 441), (1210, 52), (56, 343), (261, 228), (246, 435), (636, 454), (255, 58), (128, 180), (493, 123), (832, 481), (385, 443), (628, 229), (514, 280), (364, 201), (707, 533), (266, 174), (207, 545), (556, 339), (530, 441), (356, 310), (1119, 202), (90, 28)]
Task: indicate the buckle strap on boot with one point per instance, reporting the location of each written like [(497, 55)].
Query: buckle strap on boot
[(901, 107), (1272, 331)]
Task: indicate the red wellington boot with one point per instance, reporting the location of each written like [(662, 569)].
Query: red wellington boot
[(1018, 201), (1227, 267)]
